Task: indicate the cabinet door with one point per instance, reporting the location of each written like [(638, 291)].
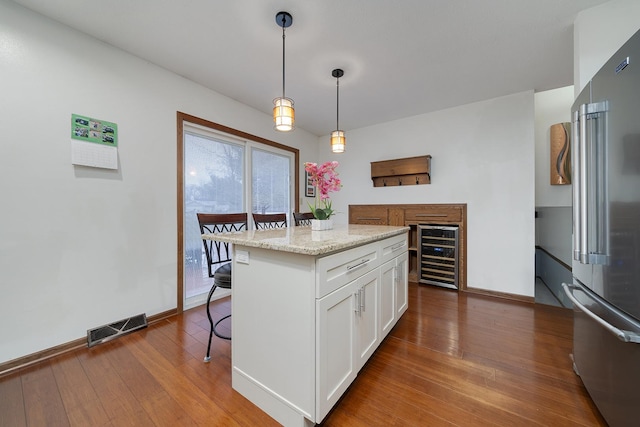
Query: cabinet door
[(433, 214), (367, 325), (387, 297), (368, 214), (336, 337), (402, 285)]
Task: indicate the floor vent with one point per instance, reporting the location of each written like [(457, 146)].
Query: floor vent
[(114, 330)]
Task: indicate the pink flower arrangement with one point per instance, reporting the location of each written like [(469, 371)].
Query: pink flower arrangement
[(325, 179)]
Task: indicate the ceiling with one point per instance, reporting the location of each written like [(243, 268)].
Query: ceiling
[(400, 58)]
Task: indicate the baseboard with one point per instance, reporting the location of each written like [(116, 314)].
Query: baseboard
[(495, 294), (11, 366)]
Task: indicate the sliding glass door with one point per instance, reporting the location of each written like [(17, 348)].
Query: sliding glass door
[(225, 174), (213, 183)]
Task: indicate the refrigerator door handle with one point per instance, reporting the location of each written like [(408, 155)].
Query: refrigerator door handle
[(576, 166), (598, 250), (622, 335), (583, 177), (590, 197)]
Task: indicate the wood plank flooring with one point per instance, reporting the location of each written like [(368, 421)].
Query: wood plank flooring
[(454, 359)]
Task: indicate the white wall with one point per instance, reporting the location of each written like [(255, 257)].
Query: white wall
[(483, 155), (551, 107), (81, 247), (598, 33), (553, 202)]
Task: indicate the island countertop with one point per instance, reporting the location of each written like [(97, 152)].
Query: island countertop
[(303, 240)]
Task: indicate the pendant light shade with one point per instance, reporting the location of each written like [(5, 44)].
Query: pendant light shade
[(283, 112), (338, 139)]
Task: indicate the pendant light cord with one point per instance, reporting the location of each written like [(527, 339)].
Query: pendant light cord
[(338, 103), (283, 24)]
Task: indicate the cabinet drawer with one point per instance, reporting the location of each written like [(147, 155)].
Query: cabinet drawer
[(374, 215), (434, 214), (339, 269), (394, 246)]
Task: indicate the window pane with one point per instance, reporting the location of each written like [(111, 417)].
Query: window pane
[(213, 175), (270, 182)]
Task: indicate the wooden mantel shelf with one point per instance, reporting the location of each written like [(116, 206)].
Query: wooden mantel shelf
[(407, 171)]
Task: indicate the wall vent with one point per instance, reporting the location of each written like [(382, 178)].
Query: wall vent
[(117, 329)]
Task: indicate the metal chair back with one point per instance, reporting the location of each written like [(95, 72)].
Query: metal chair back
[(302, 218), (217, 252), (267, 221)]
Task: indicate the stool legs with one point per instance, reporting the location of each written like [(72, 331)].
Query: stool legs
[(208, 357), (213, 330)]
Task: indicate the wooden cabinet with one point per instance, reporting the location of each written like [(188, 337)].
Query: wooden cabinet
[(411, 215), (433, 213), (371, 215)]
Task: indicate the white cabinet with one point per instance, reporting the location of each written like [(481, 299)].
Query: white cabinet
[(367, 313), (387, 296), (394, 287), (304, 325), (348, 334), (402, 284)]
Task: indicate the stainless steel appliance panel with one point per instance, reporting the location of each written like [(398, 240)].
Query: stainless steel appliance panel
[(438, 255), (606, 236), (606, 355), (618, 86)]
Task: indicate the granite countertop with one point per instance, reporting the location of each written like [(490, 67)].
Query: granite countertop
[(303, 240)]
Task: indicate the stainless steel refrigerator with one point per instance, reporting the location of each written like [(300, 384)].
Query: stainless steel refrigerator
[(606, 236)]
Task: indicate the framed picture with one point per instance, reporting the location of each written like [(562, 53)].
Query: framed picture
[(310, 189), (560, 137)]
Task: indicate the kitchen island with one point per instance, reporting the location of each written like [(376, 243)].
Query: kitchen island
[(308, 310)]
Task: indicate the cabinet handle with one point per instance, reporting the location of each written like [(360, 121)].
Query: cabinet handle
[(368, 219), (362, 299), (396, 247), (356, 299), (360, 264), (431, 215)]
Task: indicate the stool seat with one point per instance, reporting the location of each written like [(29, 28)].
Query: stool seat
[(222, 276)]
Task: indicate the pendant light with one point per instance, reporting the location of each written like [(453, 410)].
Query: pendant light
[(283, 113), (338, 140)]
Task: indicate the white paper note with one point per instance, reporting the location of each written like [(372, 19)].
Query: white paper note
[(94, 155)]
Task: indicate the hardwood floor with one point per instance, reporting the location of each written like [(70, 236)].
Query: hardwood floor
[(453, 359)]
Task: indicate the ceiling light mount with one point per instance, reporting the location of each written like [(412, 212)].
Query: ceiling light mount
[(283, 112), (284, 19), (338, 139)]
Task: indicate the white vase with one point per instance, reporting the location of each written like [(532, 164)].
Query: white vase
[(321, 224)]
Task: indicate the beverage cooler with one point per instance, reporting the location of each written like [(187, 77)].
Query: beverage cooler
[(438, 255)]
